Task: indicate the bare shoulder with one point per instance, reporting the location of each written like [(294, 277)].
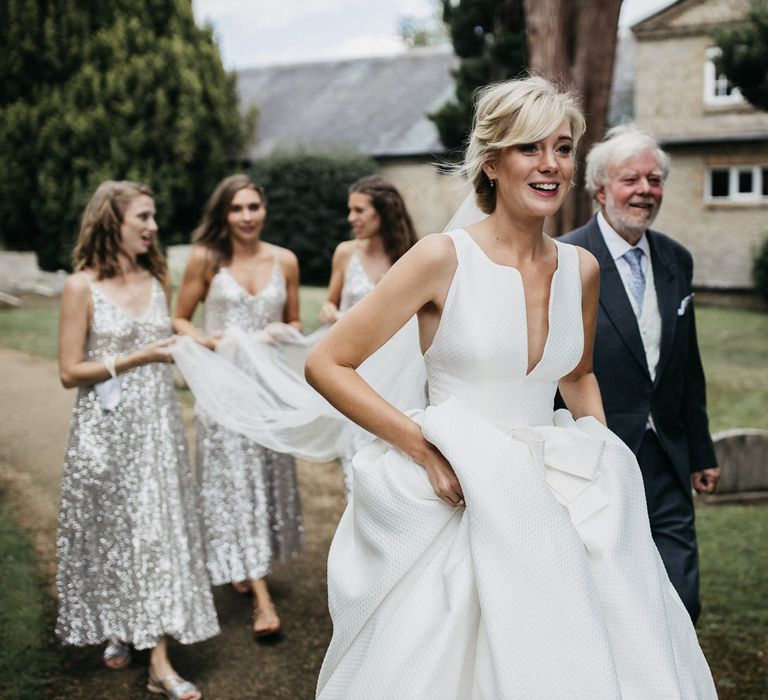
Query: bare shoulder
[(589, 268), (344, 249), (435, 251), (286, 258), (199, 258), (78, 285)]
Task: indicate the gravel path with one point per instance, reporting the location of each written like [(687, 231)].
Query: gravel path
[(34, 417)]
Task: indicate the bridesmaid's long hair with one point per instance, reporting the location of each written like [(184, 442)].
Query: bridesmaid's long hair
[(213, 231), (98, 243), (396, 229)]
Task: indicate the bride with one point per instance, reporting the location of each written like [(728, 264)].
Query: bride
[(493, 547)]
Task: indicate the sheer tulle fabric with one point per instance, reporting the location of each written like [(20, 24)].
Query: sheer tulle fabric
[(273, 405)]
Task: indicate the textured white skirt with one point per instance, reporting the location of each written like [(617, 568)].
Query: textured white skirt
[(547, 585)]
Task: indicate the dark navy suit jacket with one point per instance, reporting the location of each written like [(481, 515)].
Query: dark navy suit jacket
[(677, 397)]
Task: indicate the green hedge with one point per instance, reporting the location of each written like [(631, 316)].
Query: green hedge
[(307, 204)]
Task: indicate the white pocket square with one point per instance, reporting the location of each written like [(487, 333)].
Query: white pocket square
[(684, 304)]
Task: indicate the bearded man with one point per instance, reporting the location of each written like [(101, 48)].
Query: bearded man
[(646, 355)]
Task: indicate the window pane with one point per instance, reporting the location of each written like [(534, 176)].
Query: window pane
[(718, 183), (745, 181), (765, 181)]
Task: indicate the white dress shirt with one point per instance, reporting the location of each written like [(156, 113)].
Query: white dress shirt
[(648, 318)]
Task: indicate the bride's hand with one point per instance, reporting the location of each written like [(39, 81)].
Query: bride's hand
[(443, 479)]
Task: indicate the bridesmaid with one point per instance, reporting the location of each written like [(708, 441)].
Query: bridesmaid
[(383, 232), (128, 546), (249, 495)]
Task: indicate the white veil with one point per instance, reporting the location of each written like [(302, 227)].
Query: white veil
[(255, 386), (254, 383)]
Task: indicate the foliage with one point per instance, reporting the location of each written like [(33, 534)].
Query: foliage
[(744, 57), (25, 658), (307, 204), (95, 91), (489, 38), (760, 271)]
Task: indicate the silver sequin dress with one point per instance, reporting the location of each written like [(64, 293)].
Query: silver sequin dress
[(128, 546), (356, 285), (249, 495)]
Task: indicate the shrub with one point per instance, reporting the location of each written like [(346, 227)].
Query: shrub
[(760, 271), (307, 204)]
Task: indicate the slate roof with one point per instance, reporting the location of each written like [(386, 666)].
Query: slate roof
[(374, 105)]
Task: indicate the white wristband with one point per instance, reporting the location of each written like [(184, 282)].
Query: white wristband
[(109, 363)]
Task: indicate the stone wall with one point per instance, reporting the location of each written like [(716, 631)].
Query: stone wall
[(19, 274), (431, 197), (722, 237), (670, 56), (669, 93)]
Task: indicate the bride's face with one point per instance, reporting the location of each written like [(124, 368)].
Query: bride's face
[(532, 179)]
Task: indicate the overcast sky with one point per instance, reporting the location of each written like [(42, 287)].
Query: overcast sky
[(260, 32)]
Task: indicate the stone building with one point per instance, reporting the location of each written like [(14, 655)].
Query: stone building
[(716, 198), (376, 106)]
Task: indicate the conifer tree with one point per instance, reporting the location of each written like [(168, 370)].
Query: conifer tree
[(92, 91), (489, 38), (744, 57)]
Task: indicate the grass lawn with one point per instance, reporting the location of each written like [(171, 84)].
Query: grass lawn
[(26, 657), (733, 629), (734, 349)]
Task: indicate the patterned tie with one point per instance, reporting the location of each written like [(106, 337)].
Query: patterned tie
[(636, 276)]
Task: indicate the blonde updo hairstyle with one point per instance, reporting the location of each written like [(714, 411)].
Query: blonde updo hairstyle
[(511, 113)]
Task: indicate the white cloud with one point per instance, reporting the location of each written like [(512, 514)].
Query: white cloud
[(370, 45)]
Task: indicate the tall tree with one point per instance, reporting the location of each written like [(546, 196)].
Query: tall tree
[(744, 55), (489, 38), (574, 43), (94, 90)]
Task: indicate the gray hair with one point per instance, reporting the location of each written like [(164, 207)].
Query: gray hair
[(619, 145), (511, 113)]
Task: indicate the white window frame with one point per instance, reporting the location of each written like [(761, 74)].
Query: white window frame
[(714, 84), (756, 195)]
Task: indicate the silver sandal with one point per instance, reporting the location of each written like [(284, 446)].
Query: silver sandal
[(176, 689), (116, 649)]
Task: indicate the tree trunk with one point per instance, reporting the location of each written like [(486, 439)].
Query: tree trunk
[(573, 42)]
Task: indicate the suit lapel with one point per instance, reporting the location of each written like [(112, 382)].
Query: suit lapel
[(666, 294), (613, 298)]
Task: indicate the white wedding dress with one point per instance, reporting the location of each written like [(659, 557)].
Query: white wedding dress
[(548, 584)]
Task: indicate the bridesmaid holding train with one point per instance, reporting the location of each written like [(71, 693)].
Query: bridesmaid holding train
[(249, 497), (382, 232)]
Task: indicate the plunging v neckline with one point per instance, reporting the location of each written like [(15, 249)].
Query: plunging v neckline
[(519, 276), (356, 256), (250, 295), (136, 319)]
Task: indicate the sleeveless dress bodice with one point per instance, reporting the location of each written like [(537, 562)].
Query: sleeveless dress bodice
[(356, 283), (229, 304), (480, 351)]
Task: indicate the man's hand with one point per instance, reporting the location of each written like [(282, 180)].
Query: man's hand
[(705, 481)]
